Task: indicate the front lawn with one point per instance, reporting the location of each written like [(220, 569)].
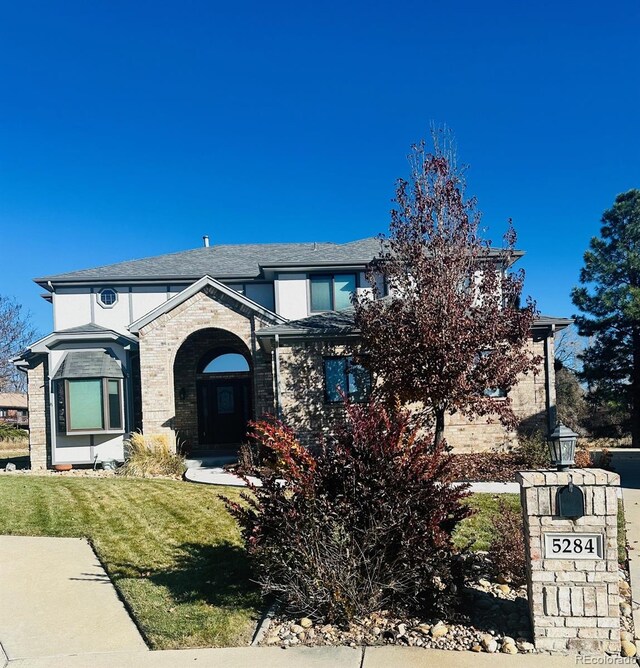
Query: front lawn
[(171, 549)]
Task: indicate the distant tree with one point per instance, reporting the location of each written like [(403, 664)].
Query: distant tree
[(571, 402), (610, 301), (452, 327), (16, 332)]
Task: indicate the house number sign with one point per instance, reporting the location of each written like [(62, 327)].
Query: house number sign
[(573, 546)]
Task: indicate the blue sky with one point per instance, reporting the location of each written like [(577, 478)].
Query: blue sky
[(130, 129)]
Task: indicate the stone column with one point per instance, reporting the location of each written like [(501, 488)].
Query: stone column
[(39, 423), (572, 564)]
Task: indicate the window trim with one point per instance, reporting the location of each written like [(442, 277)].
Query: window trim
[(105, 407), (101, 292), (348, 362), (332, 293)]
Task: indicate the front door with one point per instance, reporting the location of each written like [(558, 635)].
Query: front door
[(224, 408)]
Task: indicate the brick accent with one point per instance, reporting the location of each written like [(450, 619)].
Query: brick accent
[(304, 409), (169, 349), (573, 603), (39, 422)]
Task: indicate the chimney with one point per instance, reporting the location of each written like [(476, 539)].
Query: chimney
[(205, 240)]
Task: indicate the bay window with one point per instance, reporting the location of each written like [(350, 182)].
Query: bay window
[(91, 405)]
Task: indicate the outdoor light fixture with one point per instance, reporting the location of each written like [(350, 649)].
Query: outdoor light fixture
[(562, 446)]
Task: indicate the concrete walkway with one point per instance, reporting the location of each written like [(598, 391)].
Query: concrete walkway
[(216, 475), (299, 657), (55, 598)]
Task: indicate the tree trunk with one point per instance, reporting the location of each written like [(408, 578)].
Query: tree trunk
[(635, 389), (439, 428)]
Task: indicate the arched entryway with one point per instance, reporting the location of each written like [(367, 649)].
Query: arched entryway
[(213, 384), (223, 389)]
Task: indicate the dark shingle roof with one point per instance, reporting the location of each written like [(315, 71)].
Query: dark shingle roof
[(89, 364), (239, 260), (89, 328), (331, 323), (335, 323)]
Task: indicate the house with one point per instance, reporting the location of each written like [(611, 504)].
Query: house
[(13, 409), (196, 343)]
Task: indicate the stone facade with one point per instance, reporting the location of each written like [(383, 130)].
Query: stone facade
[(39, 426), (574, 604), (162, 373), (302, 391), (303, 406)]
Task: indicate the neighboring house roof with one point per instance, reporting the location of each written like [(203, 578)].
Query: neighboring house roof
[(89, 364), (13, 400), (196, 287), (226, 261)]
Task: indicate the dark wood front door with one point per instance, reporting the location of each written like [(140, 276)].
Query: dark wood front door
[(224, 408)]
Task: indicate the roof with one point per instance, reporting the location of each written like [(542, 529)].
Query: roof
[(226, 261), (13, 400), (337, 323), (89, 364), (331, 323)]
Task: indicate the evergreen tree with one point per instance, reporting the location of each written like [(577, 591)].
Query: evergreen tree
[(610, 300)]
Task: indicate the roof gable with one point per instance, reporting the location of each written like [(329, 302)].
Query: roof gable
[(192, 290)]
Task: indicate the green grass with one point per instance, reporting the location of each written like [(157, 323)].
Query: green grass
[(171, 549), (477, 529)]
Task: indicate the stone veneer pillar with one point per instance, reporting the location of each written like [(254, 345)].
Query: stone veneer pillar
[(574, 603), (38, 416)]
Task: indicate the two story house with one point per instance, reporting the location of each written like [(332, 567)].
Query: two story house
[(195, 344)]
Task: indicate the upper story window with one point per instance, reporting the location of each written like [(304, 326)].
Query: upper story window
[(331, 292), (107, 297)]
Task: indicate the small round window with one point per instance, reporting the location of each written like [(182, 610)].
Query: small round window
[(107, 297)]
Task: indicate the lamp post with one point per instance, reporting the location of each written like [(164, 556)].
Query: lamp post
[(562, 447)]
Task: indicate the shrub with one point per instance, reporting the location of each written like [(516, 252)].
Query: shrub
[(13, 435), (362, 524), (533, 450), (148, 456), (506, 550)]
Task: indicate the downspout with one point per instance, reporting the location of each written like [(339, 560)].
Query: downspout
[(276, 360), (550, 381)]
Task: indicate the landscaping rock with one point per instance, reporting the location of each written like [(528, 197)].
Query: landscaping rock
[(489, 644), (10, 467), (628, 648), (439, 630), (306, 623), (296, 628)]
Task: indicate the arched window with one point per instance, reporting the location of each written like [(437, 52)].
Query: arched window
[(227, 363)]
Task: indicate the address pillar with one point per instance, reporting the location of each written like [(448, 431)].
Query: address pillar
[(572, 562)]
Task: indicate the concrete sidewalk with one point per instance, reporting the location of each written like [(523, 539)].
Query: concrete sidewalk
[(301, 657), (55, 598)]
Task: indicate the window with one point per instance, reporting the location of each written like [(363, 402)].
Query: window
[(343, 376), (227, 363), (331, 292), (90, 405), (495, 392), (107, 297)]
